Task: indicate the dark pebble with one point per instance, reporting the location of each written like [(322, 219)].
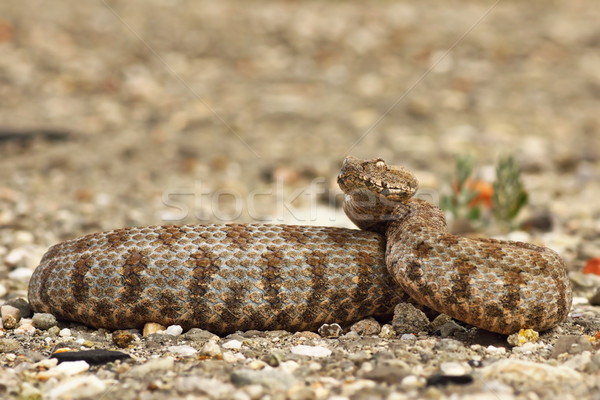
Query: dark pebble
[(444, 380), (22, 305), (92, 357)]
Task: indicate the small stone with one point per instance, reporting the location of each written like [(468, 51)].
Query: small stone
[(20, 274), (69, 368), (92, 357), (231, 357), (570, 344), (174, 330), (9, 345), (522, 337), (80, 387), (196, 334), (455, 368), (270, 378), (330, 330), (43, 321), (54, 331), (3, 290), (22, 305), (211, 349), (444, 380), (366, 327), (123, 339), (311, 351), (387, 332), (595, 298), (152, 327), (232, 344), (408, 336), (584, 280), (10, 316), (9, 322), (65, 332), (183, 350), (197, 384), (438, 321), (409, 319), (387, 373), (161, 364), (307, 335), (25, 329)]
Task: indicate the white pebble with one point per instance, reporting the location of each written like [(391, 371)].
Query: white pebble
[(231, 357), (210, 348), (65, 332), (183, 350), (455, 368), (25, 329), (495, 350), (232, 344), (408, 336), (174, 330), (77, 388), (69, 368), (20, 274), (413, 382), (3, 290), (311, 351)]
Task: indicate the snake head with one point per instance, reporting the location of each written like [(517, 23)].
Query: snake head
[(375, 176)]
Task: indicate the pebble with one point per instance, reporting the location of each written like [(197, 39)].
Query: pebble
[(25, 329), (387, 332), (311, 351), (8, 345), (123, 339), (65, 332), (68, 368), (154, 365), (43, 321), (211, 349), (183, 350), (196, 334), (200, 385), (174, 330), (10, 316), (409, 319), (92, 357), (20, 274), (522, 337), (526, 375), (389, 374), (584, 280), (80, 387), (595, 298), (455, 368), (270, 378), (366, 327), (330, 330), (22, 305), (570, 344), (232, 344), (152, 327), (3, 290)]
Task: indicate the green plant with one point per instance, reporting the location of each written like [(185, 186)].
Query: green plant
[(509, 195), (479, 201)]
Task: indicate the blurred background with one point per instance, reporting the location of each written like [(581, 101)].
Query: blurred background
[(117, 113)]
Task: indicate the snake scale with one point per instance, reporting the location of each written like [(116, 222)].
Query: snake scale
[(231, 277)]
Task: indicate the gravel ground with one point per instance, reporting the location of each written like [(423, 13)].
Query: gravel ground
[(118, 113)]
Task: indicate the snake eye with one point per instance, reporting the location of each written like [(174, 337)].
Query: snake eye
[(380, 163)]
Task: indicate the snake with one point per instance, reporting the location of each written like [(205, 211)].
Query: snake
[(237, 277)]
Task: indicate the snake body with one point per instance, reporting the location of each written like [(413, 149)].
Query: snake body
[(231, 277)]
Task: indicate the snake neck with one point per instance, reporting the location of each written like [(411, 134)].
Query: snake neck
[(416, 215)]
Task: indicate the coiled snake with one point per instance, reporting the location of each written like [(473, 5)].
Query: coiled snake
[(231, 277)]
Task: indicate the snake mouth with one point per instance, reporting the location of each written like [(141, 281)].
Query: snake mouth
[(375, 176)]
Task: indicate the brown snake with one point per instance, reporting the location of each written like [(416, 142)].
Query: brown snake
[(231, 277)]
